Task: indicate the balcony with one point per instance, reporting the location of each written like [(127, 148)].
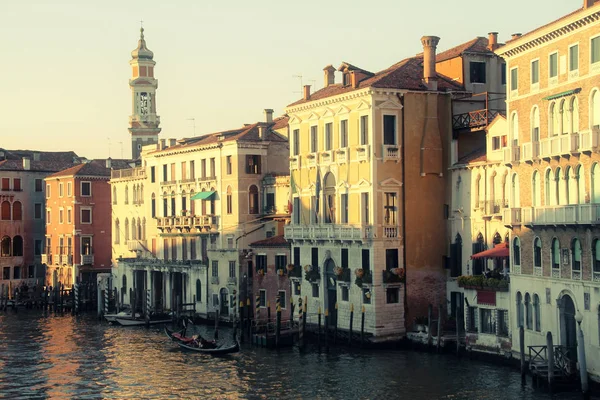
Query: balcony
[(362, 152), (326, 232), (87, 259), (232, 280), (136, 245), (214, 280), (47, 259), (474, 119), (573, 214), (66, 259), (512, 155), (129, 173), (492, 207), (559, 145), (295, 162), (589, 140), (341, 155), (167, 183), (391, 152), (208, 222), (511, 216), (531, 151), (391, 231), (326, 157), (311, 160)]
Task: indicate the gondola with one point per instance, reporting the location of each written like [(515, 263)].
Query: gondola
[(219, 350), (140, 322), (178, 336)]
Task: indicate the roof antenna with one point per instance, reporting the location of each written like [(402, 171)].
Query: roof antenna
[(121, 143), (299, 76), (194, 124)]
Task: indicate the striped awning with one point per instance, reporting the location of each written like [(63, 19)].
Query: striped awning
[(562, 94)]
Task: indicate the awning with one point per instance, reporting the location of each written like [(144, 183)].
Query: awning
[(562, 94), (202, 195), (501, 250)]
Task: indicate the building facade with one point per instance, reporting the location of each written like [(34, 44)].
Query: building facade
[(554, 117)]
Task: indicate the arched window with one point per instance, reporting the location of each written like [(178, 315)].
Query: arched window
[(17, 214), (595, 109), (5, 247), (114, 192), (564, 117), (192, 203), (126, 229), (596, 182), (574, 115), (124, 284), (553, 127), (537, 253), (514, 127), (520, 310), (126, 194), (133, 229), (456, 257), (329, 202), (555, 254), (198, 290), (165, 205), (596, 257), (576, 255), (153, 206), (117, 233), (515, 194), (17, 246), (253, 200), (229, 200), (516, 251), (478, 198), (138, 236), (143, 234), (536, 312), (478, 247), (141, 194), (184, 201), (536, 195), (213, 206), (134, 192), (559, 186), (535, 124), (497, 238), (579, 184), (570, 186), (173, 211), (550, 188), (528, 312), (5, 211)]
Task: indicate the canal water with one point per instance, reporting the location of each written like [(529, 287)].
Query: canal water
[(66, 357)]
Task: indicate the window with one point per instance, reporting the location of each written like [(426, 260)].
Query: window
[(391, 259), (17, 212), (537, 253), (17, 272), (502, 322), (213, 167), (535, 124), (520, 309), (297, 263), (215, 299), (314, 140), (345, 293), (389, 129), (344, 263), (38, 185), (488, 324), (6, 273), (262, 298), (193, 255), (261, 262), (344, 208), (17, 246), (496, 143), (282, 298), (516, 251), (61, 213), (61, 189), (366, 260), (553, 65), (503, 74), (48, 216), (472, 319), (296, 141), (576, 254), (86, 215), (364, 197), (535, 72), (117, 232), (215, 268), (173, 173), (536, 312), (86, 189), (477, 72), (183, 170), (528, 312), (595, 50), (47, 191), (229, 200), (344, 133), (328, 129), (17, 184), (296, 210), (198, 290), (253, 164), (152, 174), (574, 58), (596, 256), (456, 257), (173, 249), (232, 269), (86, 246), (280, 261), (229, 166), (203, 168), (392, 295), (192, 169), (390, 209), (315, 290), (5, 183), (165, 173), (514, 79), (253, 200), (364, 130)]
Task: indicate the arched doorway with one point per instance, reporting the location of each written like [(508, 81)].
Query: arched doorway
[(568, 326), (224, 303), (331, 291)]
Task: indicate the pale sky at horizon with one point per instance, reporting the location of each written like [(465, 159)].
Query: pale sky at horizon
[(65, 66)]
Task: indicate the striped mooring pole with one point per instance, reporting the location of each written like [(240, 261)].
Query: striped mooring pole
[(257, 308), (105, 301), (234, 303), (76, 288), (148, 303)]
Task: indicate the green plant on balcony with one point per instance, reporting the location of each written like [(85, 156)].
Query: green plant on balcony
[(394, 275), (311, 273), (481, 282), (294, 271), (362, 277), (343, 274)]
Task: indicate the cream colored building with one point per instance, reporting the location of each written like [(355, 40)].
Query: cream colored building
[(554, 119)]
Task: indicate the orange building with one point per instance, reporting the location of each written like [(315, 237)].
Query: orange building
[(78, 223)]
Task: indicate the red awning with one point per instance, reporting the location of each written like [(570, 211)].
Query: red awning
[(501, 250)]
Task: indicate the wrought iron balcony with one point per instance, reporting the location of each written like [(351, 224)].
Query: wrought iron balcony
[(87, 259), (474, 119)]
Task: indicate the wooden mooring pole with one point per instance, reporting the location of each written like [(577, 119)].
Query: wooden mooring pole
[(242, 322), (326, 330), (304, 315), (457, 330), (439, 328), (319, 327), (429, 321), (336, 324), (522, 353), (351, 319), (216, 324), (362, 327), (550, 353)]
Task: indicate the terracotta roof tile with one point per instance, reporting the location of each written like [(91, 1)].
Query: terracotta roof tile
[(477, 45), (92, 168), (473, 157), (273, 241)]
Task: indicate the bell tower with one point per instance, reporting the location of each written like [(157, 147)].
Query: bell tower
[(143, 122)]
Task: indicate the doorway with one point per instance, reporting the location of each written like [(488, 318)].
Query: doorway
[(224, 303), (568, 326)]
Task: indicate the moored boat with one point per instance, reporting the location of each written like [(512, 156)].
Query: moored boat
[(220, 349), (139, 322), (122, 314), (178, 336)]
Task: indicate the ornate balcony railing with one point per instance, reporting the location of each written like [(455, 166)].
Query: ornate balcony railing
[(391, 152), (131, 173), (362, 152), (511, 155), (47, 259), (474, 119), (572, 214), (326, 231), (511, 216), (490, 207), (341, 155), (87, 259)]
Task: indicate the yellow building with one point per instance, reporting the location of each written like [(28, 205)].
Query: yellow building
[(554, 131), (367, 163)]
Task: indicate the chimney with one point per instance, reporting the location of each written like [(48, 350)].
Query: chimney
[(36, 156), (172, 142), (515, 36), (429, 47), (26, 163), (306, 92), (354, 79), (163, 144), (492, 41), (261, 132), (109, 163), (268, 115), (588, 3), (329, 75)]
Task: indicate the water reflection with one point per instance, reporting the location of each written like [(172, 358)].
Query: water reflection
[(67, 357)]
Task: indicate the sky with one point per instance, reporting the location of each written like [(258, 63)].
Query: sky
[(65, 64)]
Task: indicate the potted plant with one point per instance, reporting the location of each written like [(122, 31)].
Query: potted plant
[(280, 272), (338, 271), (290, 267), (261, 272), (421, 324), (359, 272)]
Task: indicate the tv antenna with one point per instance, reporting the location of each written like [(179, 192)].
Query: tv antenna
[(299, 76), (193, 124), (121, 143)]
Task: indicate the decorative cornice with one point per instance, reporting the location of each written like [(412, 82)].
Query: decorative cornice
[(512, 50), (355, 94)]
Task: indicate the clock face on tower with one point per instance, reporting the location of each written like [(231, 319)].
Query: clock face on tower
[(144, 103)]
